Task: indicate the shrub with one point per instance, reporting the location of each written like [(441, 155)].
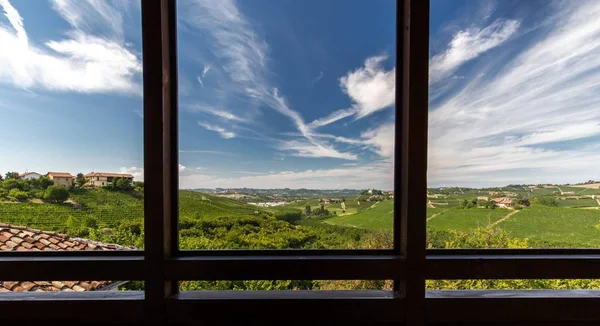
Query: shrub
[(3, 193), (17, 194), (546, 201), (291, 216), (56, 194)]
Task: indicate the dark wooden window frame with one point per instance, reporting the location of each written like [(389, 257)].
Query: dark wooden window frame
[(409, 264)]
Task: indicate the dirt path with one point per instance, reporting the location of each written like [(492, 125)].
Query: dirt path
[(598, 201), (505, 217), (561, 192), (431, 205), (434, 215)]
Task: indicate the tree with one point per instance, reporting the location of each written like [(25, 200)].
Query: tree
[(307, 210), (80, 180), (465, 203), (17, 194), (122, 184), (0, 177), (12, 175), (56, 194), (44, 182)]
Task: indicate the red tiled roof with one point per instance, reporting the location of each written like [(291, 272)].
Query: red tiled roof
[(61, 174), (19, 238), (502, 200), (27, 173), (113, 175)]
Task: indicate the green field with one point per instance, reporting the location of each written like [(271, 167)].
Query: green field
[(377, 216), (464, 219), (566, 226), (583, 202)]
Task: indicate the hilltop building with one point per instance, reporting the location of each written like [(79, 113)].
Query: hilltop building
[(29, 176), (99, 179), (64, 179)]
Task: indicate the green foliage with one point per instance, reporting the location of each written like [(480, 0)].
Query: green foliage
[(56, 194), (546, 201), (3, 193), (19, 195), (80, 179), (11, 175), (44, 182), (290, 216)]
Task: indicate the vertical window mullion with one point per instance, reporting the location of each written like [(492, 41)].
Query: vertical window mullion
[(413, 156), (158, 176)]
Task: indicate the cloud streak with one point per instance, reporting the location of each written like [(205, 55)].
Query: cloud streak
[(84, 62), (468, 44), (534, 118), (221, 131)]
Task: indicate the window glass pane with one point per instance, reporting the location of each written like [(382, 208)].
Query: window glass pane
[(513, 124), (286, 124), (71, 134)]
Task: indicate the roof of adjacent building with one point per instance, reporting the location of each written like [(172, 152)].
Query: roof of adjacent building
[(113, 175), (20, 238), (502, 200), (61, 174), (27, 173)]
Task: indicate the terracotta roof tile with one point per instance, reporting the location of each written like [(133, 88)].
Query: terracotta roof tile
[(104, 174), (60, 174), (19, 238)]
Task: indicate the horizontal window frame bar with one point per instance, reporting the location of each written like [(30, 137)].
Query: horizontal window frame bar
[(512, 252), (72, 268), (286, 268), (284, 252), (440, 267), (259, 306), (510, 306), (72, 306), (72, 253)]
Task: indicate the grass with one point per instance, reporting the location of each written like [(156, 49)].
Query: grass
[(583, 202), (465, 219), (380, 216), (567, 226)]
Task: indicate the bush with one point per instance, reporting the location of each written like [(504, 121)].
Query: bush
[(3, 193), (546, 201), (17, 194), (56, 194), (289, 216)]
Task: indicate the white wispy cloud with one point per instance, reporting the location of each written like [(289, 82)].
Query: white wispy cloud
[(381, 139), (137, 172), (371, 89), (376, 175), (82, 62), (303, 148), (216, 112), (468, 44), (221, 131), (245, 56), (534, 118)]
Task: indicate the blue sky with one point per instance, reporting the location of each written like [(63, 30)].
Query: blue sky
[(514, 92), (300, 93)]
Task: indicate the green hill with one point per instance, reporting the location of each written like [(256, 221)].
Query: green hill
[(379, 215)]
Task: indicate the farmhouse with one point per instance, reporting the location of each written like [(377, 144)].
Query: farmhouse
[(99, 179), (64, 179), (29, 176), (483, 198), (19, 238), (503, 202)]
